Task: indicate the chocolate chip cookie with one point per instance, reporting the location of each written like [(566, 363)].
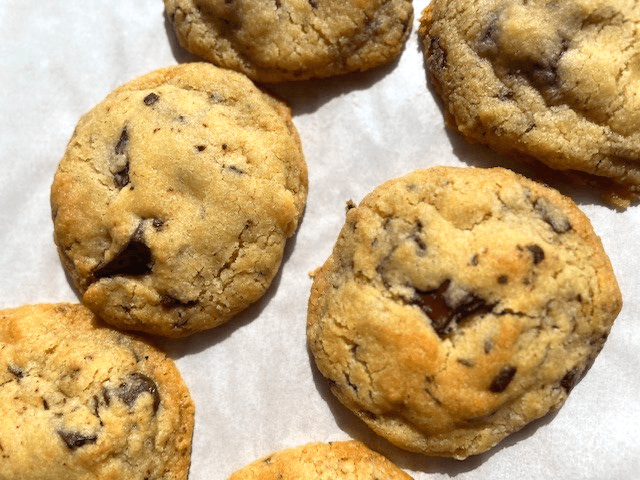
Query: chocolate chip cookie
[(350, 460), (275, 41), (175, 197), (458, 305), (556, 81), (81, 400)]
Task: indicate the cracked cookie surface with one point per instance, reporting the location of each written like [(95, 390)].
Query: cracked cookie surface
[(175, 197), (458, 305), (79, 400), (274, 41), (556, 81), (349, 460)]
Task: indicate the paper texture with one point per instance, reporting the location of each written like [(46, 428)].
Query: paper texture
[(255, 388)]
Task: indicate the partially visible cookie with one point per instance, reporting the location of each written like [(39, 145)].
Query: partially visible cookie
[(350, 460), (275, 41), (79, 400), (458, 305), (556, 81), (175, 197)]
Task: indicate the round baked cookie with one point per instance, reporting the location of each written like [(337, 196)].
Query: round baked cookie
[(79, 400), (275, 41), (556, 81), (175, 198), (349, 460), (458, 305)]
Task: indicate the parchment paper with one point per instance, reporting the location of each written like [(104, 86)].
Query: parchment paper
[(255, 388)]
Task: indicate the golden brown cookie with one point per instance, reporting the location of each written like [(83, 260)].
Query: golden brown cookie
[(175, 198), (458, 305), (350, 460), (79, 400), (274, 41), (556, 81)]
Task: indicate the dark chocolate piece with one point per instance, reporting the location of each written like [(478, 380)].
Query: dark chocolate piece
[(75, 439), (550, 214), (537, 253), (168, 301), (135, 385), (570, 379), (503, 379), (151, 99), (444, 316), (121, 177), (437, 55), (15, 370), (134, 260)]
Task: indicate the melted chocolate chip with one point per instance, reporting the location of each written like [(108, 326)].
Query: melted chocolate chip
[(487, 41), (465, 362), (437, 55), (537, 253), (151, 99), (75, 439), (550, 214), (444, 316), (16, 371), (505, 95), (168, 301), (570, 380), (121, 177), (134, 260), (503, 379), (135, 385), (123, 142)]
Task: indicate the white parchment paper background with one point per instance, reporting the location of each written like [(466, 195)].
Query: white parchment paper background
[(252, 380)]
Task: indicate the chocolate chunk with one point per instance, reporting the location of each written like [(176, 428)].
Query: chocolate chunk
[(151, 99), (237, 170), (135, 385), (123, 142), (570, 379), (503, 379), (121, 177), (505, 95), (201, 148), (313, 3), (550, 214), (168, 301), (75, 439), (487, 42), (444, 316), (134, 260), (437, 55), (537, 253), (16, 371), (503, 279)]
